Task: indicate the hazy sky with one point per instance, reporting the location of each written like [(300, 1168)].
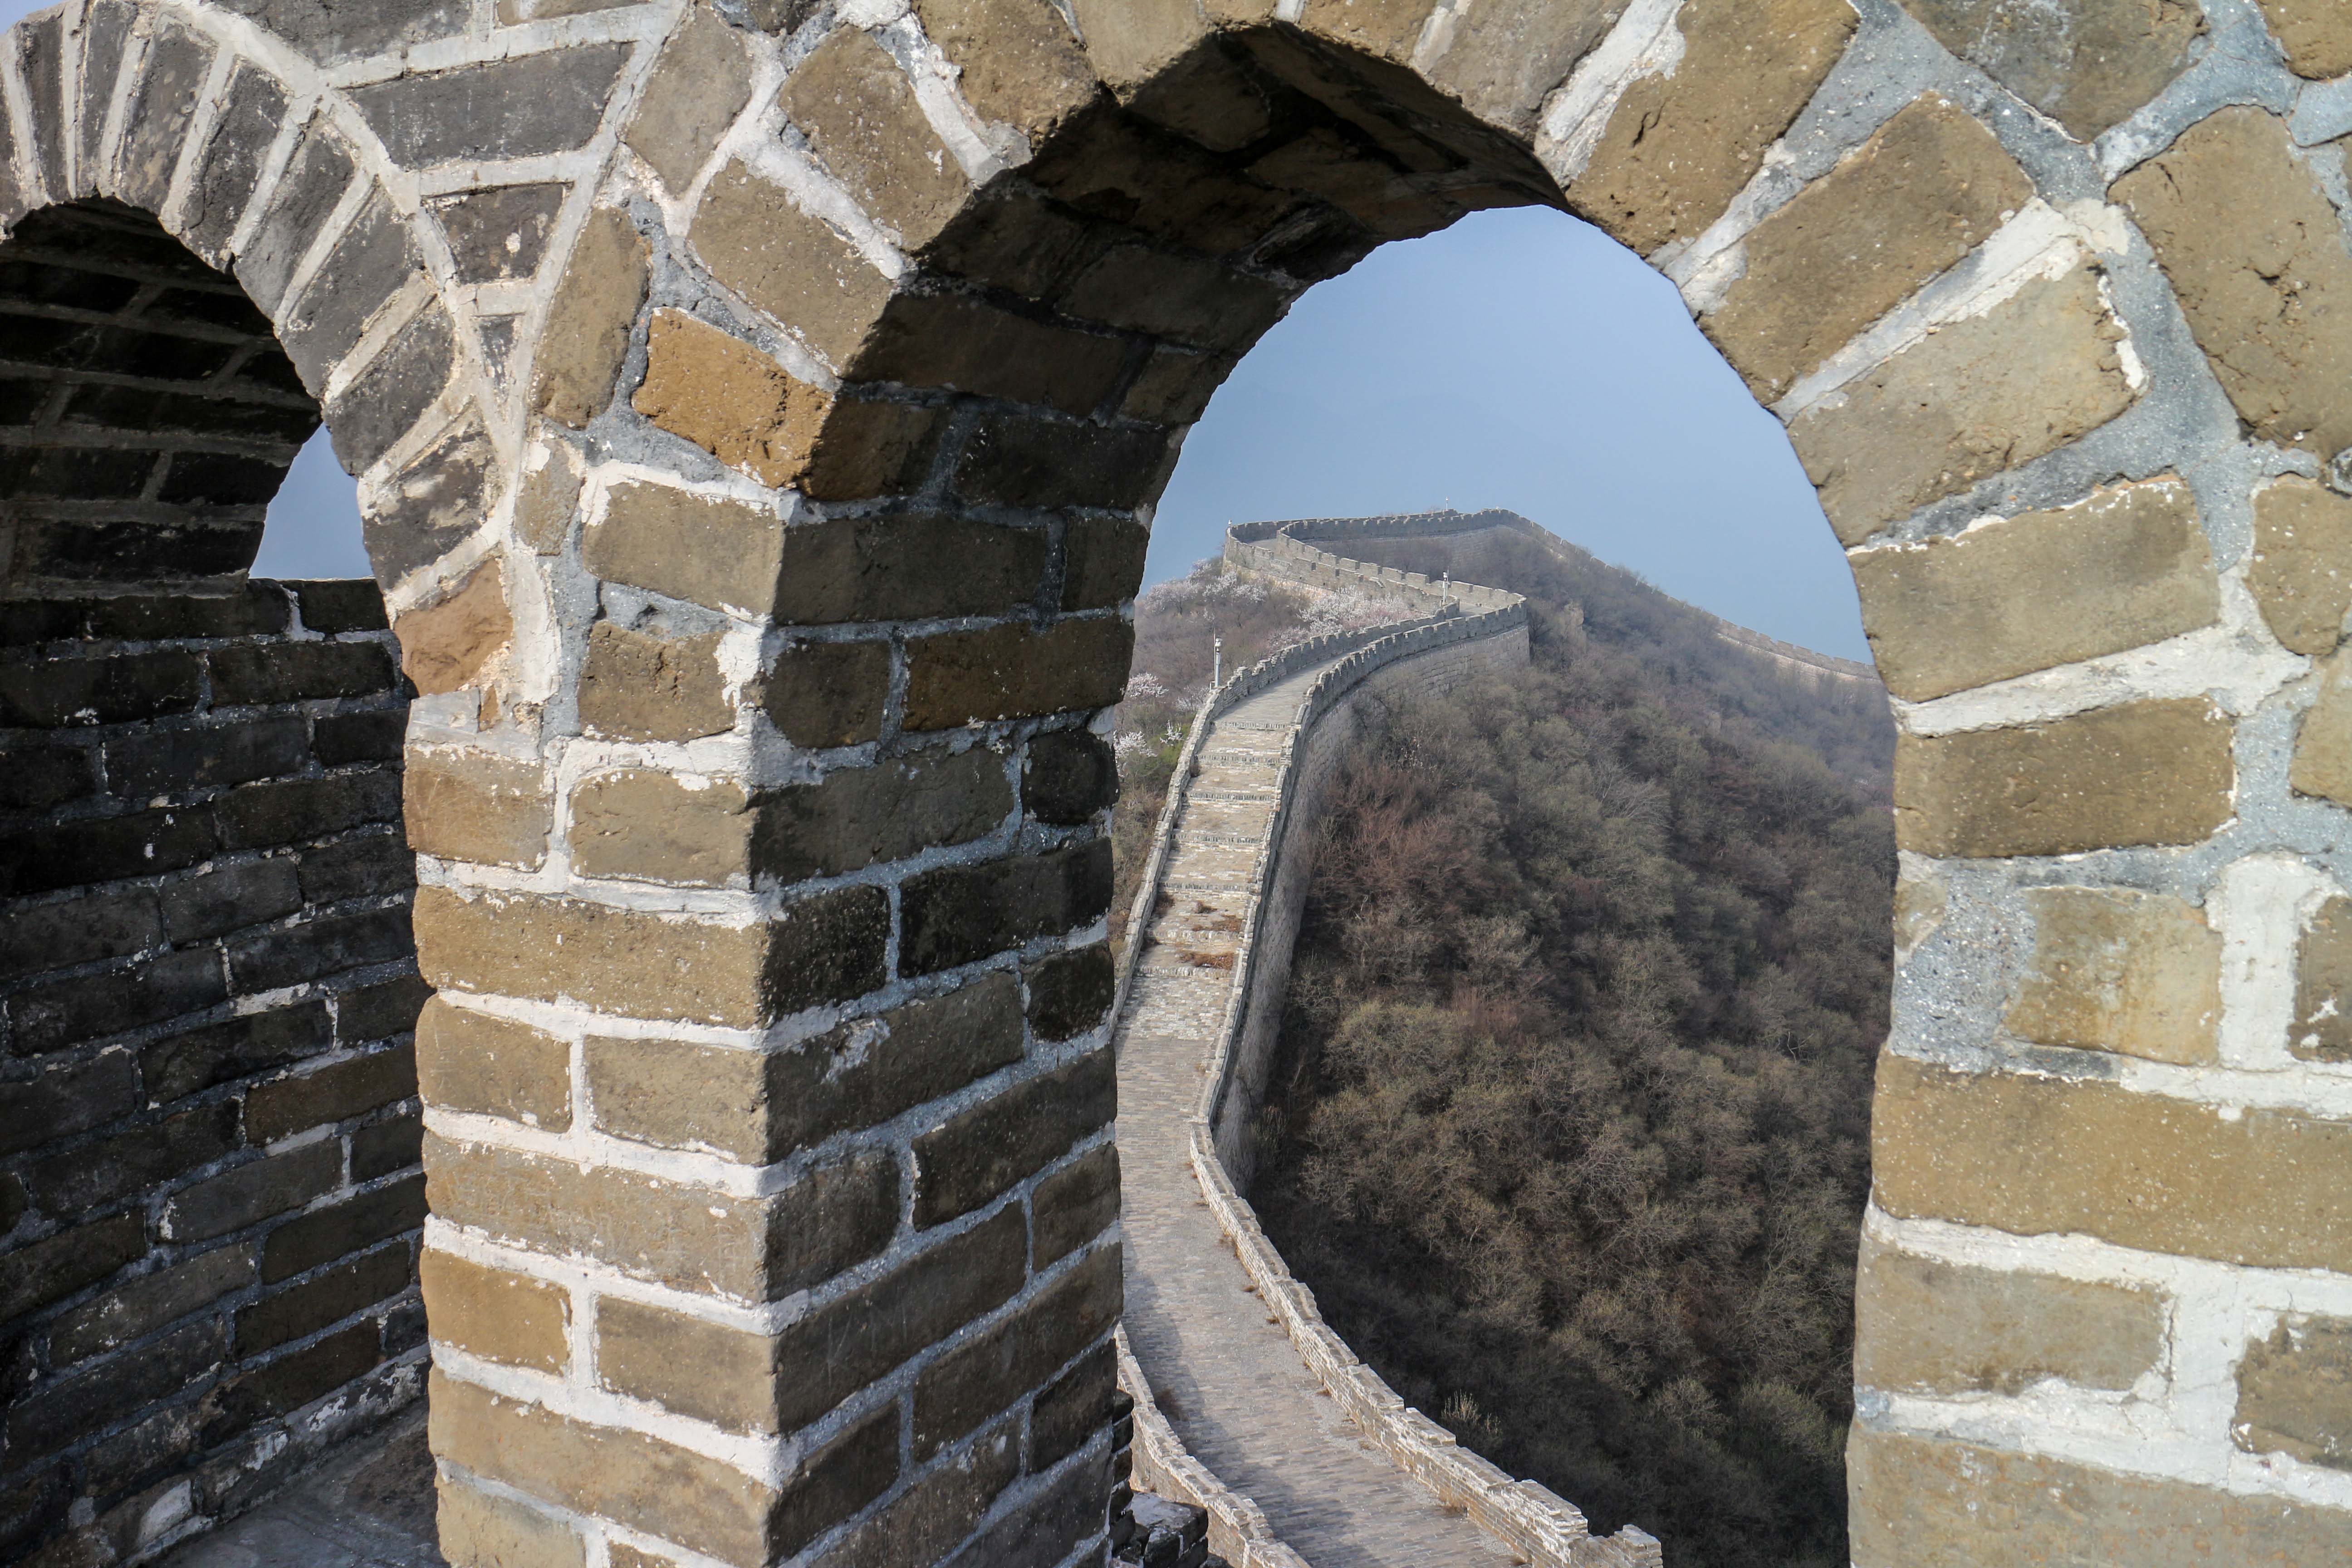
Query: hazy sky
[(1517, 360)]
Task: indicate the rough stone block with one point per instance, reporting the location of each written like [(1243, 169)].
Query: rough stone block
[(970, 1160), (639, 686), (1984, 394), (701, 85), (478, 1530), (588, 326), (1016, 672), (1074, 1205), (330, 33), (822, 695), (2294, 1392), (958, 914), (1922, 1503), (1102, 562), (1935, 1328), (478, 806), (2322, 996), (340, 1229), (2146, 773), (2086, 64), (756, 241), (706, 549), (335, 1093), (971, 345), (1070, 775), (989, 1374), (727, 397), (856, 817), (2322, 763), (502, 233), (548, 495), (1930, 187), (859, 113), (2317, 36), (1070, 992), (2038, 1156), (447, 645), (2139, 973), (523, 106), (758, 1107), (657, 827), (2126, 567), (1017, 59), (2301, 571), (495, 1313), (687, 1237), (2257, 256)]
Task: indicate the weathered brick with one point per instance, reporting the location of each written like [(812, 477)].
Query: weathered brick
[(1167, 295), (328, 1297), (872, 445), (1070, 992), (860, 817), (2148, 773), (386, 1148), (293, 811), (824, 948), (251, 673), (707, 549), (2086, 64), (196, 1059), (478, 806), (1070, 775), (337, 740), (1073, 1409), (1102, 560), (1930, 1327), (292, 1380), (1017, 59), (323, 1235), (2257, 256), (156, 121), (657, 827), (88, 1177), (2039, 1156), (964, 1388), (2126, 567), (701, 85), (758, 1382), (960, 913), (318, 947), (42, 775), (1048, 1524), (588, 326), (758, 1107), (520, 106), (1982, 395), (365, 270), (110, 690), (2323, 1022), (333, 1093), (139, 844), (970, 1160), (728, 398), (691, 1238), (933, 1516), (961, 341), (822, 695), (376, 1012), (2301, 569), (549, 495), (495, 1313), (205, 756), (132, 1310), (638, 686), (114, 922), (2139, 973), (906, 567), (333, 605), (859, 113), (500, 233), (304, 198), (74, 1407), (1073, 1206), (361, 867), (431, 506), (229, 897), (2317, 38), (1016, 672), (787, 262), (64, 1012), (2294, 1392), (223, 173), (478, 1530), (450, 643), (488, 1066), (1921, 1502), (1016, 460), (2322, 761), (57, 1266), (329, 32), (251, 1192)]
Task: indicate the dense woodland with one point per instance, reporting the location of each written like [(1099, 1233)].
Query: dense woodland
[(1569, 1134)]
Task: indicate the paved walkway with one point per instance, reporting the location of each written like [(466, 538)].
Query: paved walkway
[(370, 1505), (1228, 1379)]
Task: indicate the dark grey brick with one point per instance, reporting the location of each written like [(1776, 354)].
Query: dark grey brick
[(104, 850), (43, 774), (230, 165), (1045, 1527), (519, 108), (222, 479), (829, 947), (983, 1153), (113, 923), (336, 604), (392, 393), (303, 1310), (333, 1093), (1070, 992), (1017, 460), (46, 1017), (105, 28), (196, 1059), (131, 1310), (961, 913), (63, 692), (74, 1406), (157, 121), (94, 1176), (437, 502), (344, 738), (289, 955), (331, 31), (1073, 1409), (293, 1380), (250, 674), (230, 898), (386, 1147), (1071, 774), (256, 609), (367, 266), (340, 1229), (43, 65), (306, 196), (66, 1098), (380, 1011), (204, 756), (989, 1374), (358, 868), (266, 816), (254, 1190), (1074, 1205), (56, 1267), (500, 233)]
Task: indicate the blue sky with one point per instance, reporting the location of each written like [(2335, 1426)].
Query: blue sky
[(1520, 359)]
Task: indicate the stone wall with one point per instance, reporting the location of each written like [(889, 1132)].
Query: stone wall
[(210, 1198)]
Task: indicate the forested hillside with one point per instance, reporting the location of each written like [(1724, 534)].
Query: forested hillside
[(1569, 1134)]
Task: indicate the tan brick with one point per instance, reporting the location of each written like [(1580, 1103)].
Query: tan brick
[(687, 1237), (1928, 188), (2041, 1156), (860, 817), (758, 1107), (453, 642), (2323, 995), (2126, 567), (621, 1555), (2316, 33), (2087, 64), (495, 1313), (702, 83), (1017, 59), (871, 447), (2148, 773), (2294, 1392), (1506, 59), (548, 495), (709, 550), (490, 1066), (823, 695), (2256, 254), (633, 1479), (729, 399), (2301, 570), (587, 329), (1978, 397), (858, 110), (906, 566), (787, 262), (636, 686), (708, 1370), (2139, 973), (1679, 147), (971, 345), (1130, 42), (1929, 1327), (656, 828), (1922, 1503), (476, 806), (1016, 672), (479, 1530), (2322, 766)]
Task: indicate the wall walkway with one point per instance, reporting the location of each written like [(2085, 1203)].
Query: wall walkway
[(1245, 1403)]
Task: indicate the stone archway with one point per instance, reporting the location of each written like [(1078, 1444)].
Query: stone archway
[(779, 401)]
